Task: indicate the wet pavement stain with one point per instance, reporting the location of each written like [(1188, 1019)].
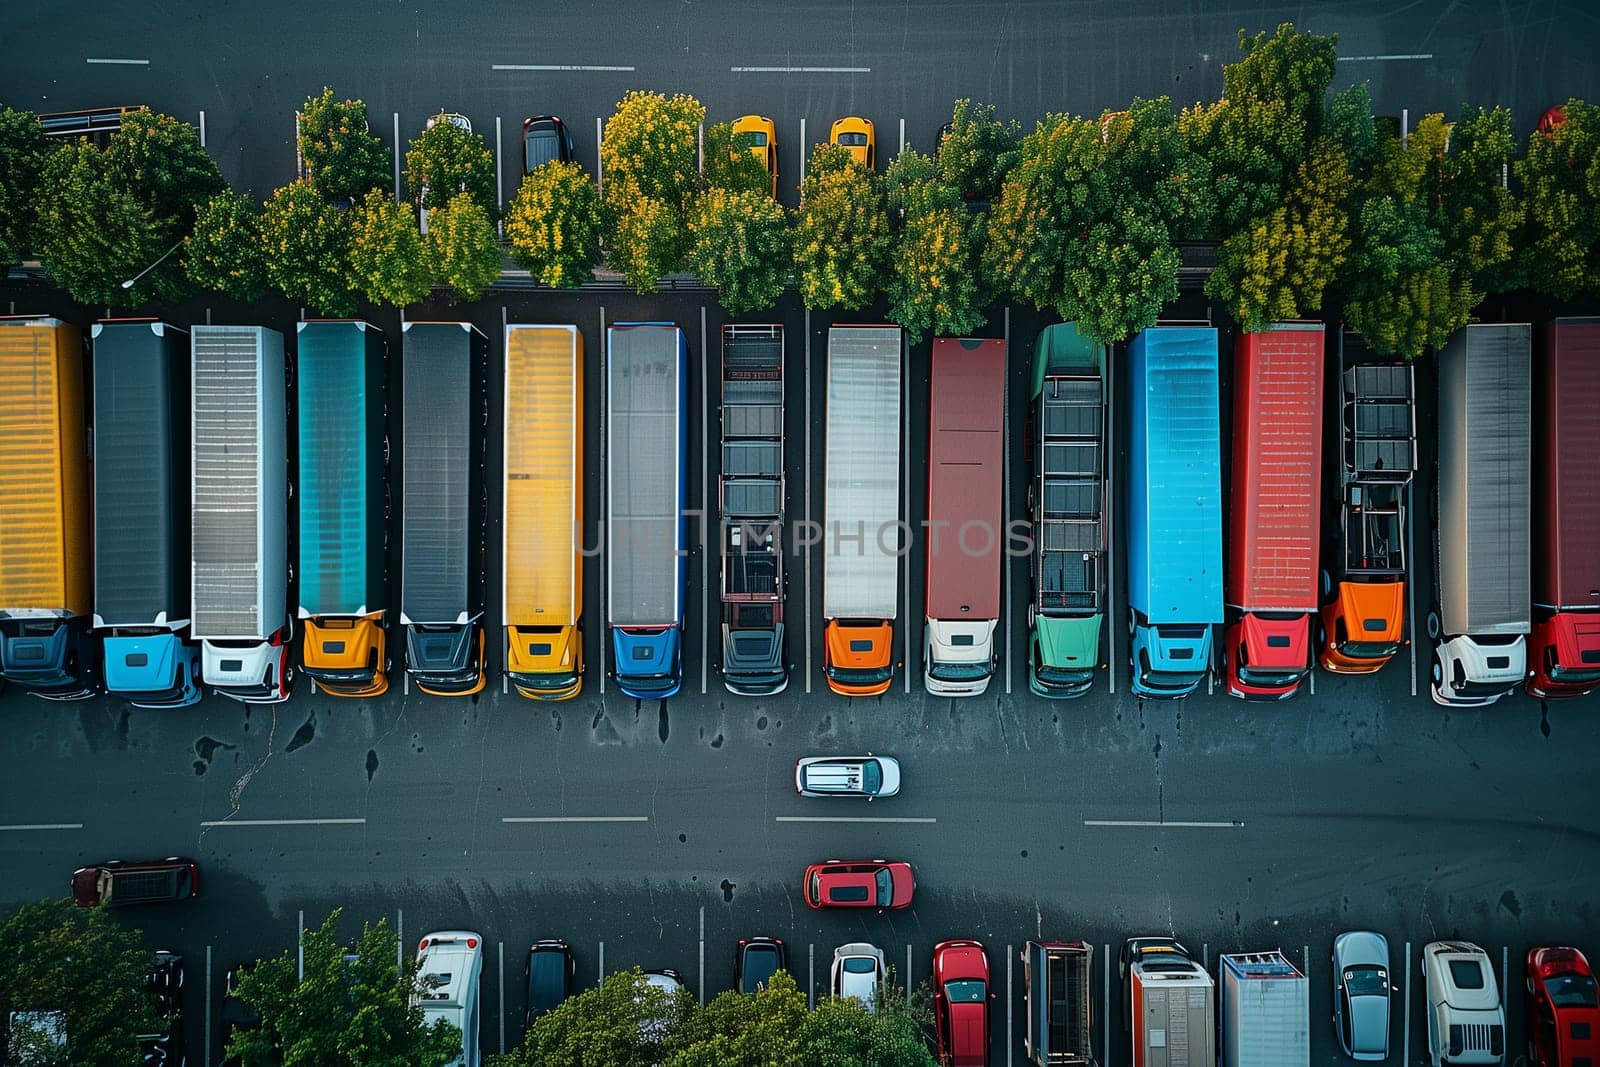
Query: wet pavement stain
[(682, 838), (1509, 901), (761, 723), (206, 749), (716, 742), (661, 727), (555, 718), (372, 763), (1544, 718), (727, 891), (303, 736)]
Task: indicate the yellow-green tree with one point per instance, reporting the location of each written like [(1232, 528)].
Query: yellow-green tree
[(730, 162), (444, 160), (741, 245), (649, 155), (343, 159), (23, 148), (934, 283), (463, 249), (841, 243), (305, 242), (553, 225), (1560, 180), (224, 252), (91, 234), (388, 259)]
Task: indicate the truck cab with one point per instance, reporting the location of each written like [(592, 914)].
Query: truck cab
[(1566, 654), (256, 672), (649, 661), (1169, 1002), (959, 657), (447, 659), (858, 656), (346, 656), (1474, 671), (1170, 661), (1281, 644), (49, 657), (1063, 655), (1466, 1021), (545, 662), (157, 669)]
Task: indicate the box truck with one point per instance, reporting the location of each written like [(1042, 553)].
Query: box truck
[(1169, 1003), (861, 509), (1481, 616), (965, 537), (239, 513), (1266, 1011), (1057, 983), (141, 513)]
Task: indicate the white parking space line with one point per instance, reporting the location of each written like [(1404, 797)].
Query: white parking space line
[(1235, 824), (560, 67), (852, 818), (1385, 59), (397, 157), (26, 826), (905, 504), (808, 516), (1105, 1003), (902, 135), (120, 62), (600, 977), (202, 129), (207, 1060), (1411, 554), (1114, 619), (705, 515), (908, 982), (1505, 964), (399, 940), (1011, 1040), (799, 70), (502, 948), (702, 954), (605, 613), (574, 818), (213, 823), (1405, 990), (1005, 482), (1205, 956), (300, 947), (811, 976), (499, 189)]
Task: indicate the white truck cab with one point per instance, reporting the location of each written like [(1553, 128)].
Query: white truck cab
[(1475, 671), (958, 656), (1466, 1021)]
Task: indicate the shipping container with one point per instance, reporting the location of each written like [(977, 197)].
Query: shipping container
[(1266, 1011)]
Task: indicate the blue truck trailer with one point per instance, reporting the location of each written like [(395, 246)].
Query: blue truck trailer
[(141, 513), (1174, 508), (646, 470)]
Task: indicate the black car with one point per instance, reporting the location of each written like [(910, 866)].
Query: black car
[(545, 138), (550, 974), (756, 961), (164, 982), (236, 1014)]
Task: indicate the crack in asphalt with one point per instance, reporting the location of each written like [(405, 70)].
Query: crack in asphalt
[(236, 792)]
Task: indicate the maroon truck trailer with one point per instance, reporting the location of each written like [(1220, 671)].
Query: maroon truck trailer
[(1276, 509), (1564, 650), (964, 539)]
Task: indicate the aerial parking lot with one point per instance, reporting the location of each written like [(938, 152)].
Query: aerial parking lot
[(507, 619)]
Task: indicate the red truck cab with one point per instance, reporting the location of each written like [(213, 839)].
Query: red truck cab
[(1267, 653), (1563, 1016), (961, 1004)]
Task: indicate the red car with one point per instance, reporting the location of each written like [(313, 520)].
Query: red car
[(115, 883), (1562, 1014), (858, 884), (961, 1003)]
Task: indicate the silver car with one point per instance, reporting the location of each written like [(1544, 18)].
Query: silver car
[(847, 776), (859, 972), (1361, 995)]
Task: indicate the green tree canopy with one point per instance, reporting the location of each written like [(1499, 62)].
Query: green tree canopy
[(935, 284), (730, 164), (159, 160), (648, 156), (23, 147), (842, 1033), (224, 253), (92, 235), (343, 159), (742, 1029), (463, 248), (306, 245), (553, 225), (979, 152), (620, 1023), (445, 160), (742, 246), (359, 1014), (388, 259), (841, 244), (83, 963), (1560, 181)]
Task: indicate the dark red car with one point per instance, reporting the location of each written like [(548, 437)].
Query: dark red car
[(115, 883), (859, 884), (961, 1003), (1563, 1016)]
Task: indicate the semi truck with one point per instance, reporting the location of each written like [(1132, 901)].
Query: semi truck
[(861, 509), (1266, 1011), (966, 454), (1274, 534), (751, 509), (1565, 646), (1362, 620), (343, 492), (1481, 615), (444, 509), (646, 470), (1067, 507), (141, 513), (1169, 1004), (44, 521), (542, 596), (1057, 980), (1174, 508), (239, 513)]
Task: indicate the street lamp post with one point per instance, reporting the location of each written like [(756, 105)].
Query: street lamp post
[(129, 284)]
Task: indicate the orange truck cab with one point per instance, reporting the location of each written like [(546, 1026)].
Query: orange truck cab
[(343, 492), (1362, 617), (858, 656)]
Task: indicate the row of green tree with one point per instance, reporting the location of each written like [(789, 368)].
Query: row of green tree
[(354, 1008), (1312, 201)]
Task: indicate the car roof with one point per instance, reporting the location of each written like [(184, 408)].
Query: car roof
[(1361, 948), (1485, 998), (858, 948), (1369, 1023)]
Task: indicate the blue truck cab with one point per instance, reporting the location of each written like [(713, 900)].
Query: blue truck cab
[(1174, 509), (157, 669)]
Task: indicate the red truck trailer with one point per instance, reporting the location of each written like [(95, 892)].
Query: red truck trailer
[(966, 448), (1564, 649), (1276, 509)]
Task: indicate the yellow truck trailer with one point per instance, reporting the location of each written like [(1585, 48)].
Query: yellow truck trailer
[(44, 510), (542, 598)]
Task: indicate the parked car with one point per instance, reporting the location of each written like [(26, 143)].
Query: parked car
[(550, 974), (763, 142), (858, 884), (961, 1004), (1466, 1023), (1361, 995), (856, 134), (236, 1014), (164, 982), (1563, 1016), (115, 884), (545, 139), (859, 971), (450, 968), (756, 961), (847, 776), (671, 984)]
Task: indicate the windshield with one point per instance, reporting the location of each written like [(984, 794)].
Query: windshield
[(1366, 981), (854, 676), (1571, 990), (853, 140), (541, 146), (958, 672), (885, 887), (1063, 676), (1466, 974), (964, 991), (758, 138), (871, 776), (1268, 678), (1369, 649), (860, 965), (1567, 674), (543, 681)]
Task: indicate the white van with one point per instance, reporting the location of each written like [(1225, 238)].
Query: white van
[(447, 986)]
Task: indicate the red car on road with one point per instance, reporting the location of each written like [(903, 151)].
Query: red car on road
[(1563, 1015), (858, 884), (961, 1003)]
